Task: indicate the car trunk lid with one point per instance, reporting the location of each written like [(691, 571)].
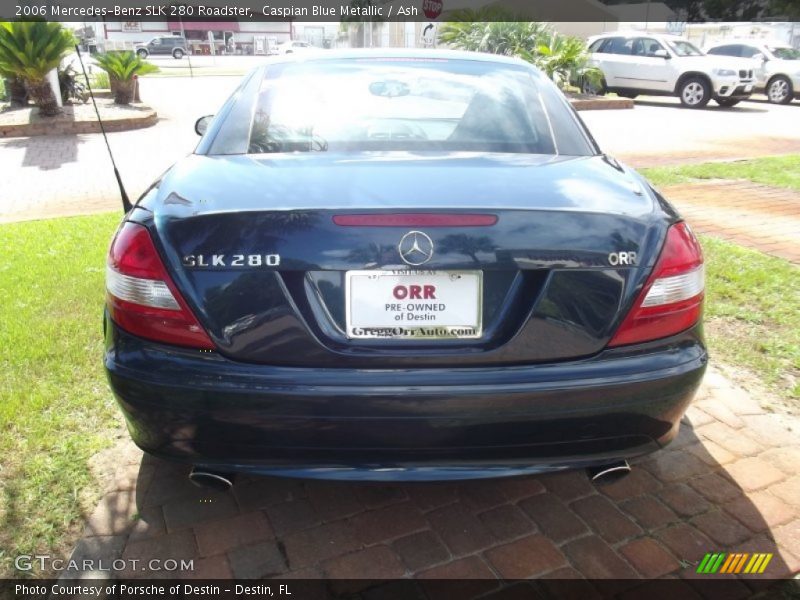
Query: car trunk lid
[(262, 246)]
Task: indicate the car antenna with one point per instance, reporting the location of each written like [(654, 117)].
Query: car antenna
[(126, 203)]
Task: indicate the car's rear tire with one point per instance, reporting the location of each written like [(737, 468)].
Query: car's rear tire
[(728, 102), (694, 92), (178, 53), (779, 90), (142, 53)]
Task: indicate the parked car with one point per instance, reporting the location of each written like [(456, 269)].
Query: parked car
[(168, 44), (401, 264), (291, 46), (777, 67), (653, 64)]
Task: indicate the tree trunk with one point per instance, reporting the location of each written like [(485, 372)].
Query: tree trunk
[(17, 94), (122, 90), (42, 94)]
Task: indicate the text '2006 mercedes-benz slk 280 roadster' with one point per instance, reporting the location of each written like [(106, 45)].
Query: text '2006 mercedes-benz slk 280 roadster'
[(398, 265)]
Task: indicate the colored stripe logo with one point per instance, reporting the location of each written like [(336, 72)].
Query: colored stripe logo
[(734, 562)]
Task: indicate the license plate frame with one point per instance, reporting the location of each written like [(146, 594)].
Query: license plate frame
[(357, 329)]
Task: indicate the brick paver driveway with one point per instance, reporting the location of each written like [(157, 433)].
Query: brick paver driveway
[(57, 175), (750, 214), (730, 482)]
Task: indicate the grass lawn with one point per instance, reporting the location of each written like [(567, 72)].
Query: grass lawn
[(56, 410), (753, 314), (781, 171), (55, 407)]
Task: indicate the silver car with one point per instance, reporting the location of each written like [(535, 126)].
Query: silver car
[(777, 67)]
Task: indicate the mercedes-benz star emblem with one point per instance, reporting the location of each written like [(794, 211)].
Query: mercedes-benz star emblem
[(415, 248)]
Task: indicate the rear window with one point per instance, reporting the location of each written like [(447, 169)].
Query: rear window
[(726, 50), (595, 45), (684, 48), (411, 104), (618, 45)]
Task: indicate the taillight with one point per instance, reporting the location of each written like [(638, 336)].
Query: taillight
[(672, 298), (142, 298)]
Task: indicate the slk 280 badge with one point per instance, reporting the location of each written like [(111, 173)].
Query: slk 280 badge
[(232, 260)]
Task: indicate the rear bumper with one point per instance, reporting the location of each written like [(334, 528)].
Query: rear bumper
[(403, 424)]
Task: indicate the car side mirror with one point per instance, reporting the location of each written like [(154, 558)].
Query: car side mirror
[(661, 54), (201, 125), (761, 57)]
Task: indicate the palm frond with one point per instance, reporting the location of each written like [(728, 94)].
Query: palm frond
[(564, 59), (31, 49), (123, 65)]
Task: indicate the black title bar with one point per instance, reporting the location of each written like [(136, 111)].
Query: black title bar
[(245, 11)]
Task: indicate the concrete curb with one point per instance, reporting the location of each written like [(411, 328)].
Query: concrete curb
[(600, 103), (66, 123)]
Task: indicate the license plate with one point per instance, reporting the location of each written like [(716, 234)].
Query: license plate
[(748, 88), (413, 304)]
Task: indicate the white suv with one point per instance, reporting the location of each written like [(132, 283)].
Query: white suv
[(777, 66), (646, 63)]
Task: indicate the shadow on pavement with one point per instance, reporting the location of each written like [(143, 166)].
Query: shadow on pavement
[(763, 100), (710, 106), (46, 152)]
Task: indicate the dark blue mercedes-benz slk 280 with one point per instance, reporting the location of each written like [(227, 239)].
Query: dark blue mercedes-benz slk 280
[(400, 265)]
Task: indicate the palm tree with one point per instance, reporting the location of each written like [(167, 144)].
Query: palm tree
[(121, 68), (564, 59), (492, 30), (15, 86), (371, 254), (469, 245), (788, 9), (30, 50)]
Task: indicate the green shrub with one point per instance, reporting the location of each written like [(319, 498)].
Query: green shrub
[(30, 50), (121, 68), (123, 65), (564, 59), (99, 81)]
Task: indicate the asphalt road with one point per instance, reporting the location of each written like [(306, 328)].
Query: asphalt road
[(659, 130)]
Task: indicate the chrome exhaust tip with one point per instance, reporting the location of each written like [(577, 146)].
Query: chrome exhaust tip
[(214, 480), (606, 474)]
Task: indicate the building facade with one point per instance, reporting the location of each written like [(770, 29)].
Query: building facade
[(203, 37)]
